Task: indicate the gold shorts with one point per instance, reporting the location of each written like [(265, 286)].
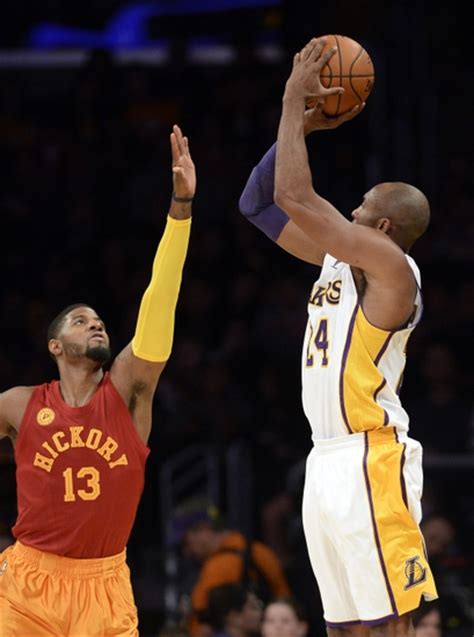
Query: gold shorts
[(45, 595)]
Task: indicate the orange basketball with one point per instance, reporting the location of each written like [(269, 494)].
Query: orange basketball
[(350, 67)]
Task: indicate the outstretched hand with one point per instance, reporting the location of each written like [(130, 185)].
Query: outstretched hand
[(316, 119), (184, 172), (305, 81)]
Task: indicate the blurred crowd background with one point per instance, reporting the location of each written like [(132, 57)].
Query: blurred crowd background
[(84, 191)]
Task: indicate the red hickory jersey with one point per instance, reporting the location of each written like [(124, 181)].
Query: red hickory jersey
[(80, 473)]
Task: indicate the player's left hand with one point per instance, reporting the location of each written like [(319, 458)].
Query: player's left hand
[(304, 81), (184, 172), (315, 119)]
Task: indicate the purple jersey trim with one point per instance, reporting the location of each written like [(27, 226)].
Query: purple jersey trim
[(343, 367), (382, 351), (402, 477), (383, 348), (365, 622)]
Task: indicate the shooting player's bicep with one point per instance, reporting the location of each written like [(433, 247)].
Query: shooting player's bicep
[(294, 241)]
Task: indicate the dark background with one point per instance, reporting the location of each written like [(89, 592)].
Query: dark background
[(84, 191)]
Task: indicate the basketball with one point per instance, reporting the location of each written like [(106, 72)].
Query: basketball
[(350, 67)]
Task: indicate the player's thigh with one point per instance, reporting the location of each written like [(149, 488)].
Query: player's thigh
[(24, 594), (110, 603), (15, 622), (328, 567), (413, 477)]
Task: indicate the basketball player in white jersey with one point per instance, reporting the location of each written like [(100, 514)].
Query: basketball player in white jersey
[(363, 482)]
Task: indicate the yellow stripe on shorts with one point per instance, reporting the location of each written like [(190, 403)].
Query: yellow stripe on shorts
[(399, 541)]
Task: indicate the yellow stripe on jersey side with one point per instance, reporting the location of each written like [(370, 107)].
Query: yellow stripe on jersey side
[(399, 540), (360, 380)]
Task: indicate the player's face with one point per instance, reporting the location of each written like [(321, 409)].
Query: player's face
[(83, 335), (367, 214), (280, 620)]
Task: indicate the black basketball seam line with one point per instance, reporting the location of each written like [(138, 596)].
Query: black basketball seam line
[(351, 76), (328, 76)]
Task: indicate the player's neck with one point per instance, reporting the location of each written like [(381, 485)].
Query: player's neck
[(77, 386)]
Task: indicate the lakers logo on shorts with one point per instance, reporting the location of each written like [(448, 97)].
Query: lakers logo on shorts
[(415, 572), (45, 416)]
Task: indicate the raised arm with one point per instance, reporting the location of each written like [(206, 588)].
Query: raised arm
[(359, 245), (137, 369), (257, 205), (256, 201)]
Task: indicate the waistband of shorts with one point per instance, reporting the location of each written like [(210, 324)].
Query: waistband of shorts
[(88, 567), (361, 439)]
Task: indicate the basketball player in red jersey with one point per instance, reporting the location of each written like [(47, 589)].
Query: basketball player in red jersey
[(81, 448)]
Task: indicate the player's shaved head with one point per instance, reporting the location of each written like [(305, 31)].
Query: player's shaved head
[(406, 207)]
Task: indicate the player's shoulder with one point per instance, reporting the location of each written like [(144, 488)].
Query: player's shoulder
[(16, 394), (13, 403)]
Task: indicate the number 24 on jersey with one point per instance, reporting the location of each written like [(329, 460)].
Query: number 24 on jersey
[(318, 345)]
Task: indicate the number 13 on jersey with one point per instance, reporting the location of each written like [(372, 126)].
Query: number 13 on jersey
[(318, 345)]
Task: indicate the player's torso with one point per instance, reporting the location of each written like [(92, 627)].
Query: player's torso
[(80, 473), (351, 370)]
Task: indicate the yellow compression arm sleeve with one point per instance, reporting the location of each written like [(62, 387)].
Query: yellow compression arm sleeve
[(155, 325)]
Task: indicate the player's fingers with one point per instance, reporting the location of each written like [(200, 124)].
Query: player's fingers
[(307, 50), (317, 47), (352, 113), (324, 58), (335, 90), (174, 148), (186, 145), (179, 138)]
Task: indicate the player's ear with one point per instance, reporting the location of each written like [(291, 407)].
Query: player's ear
[(54, 346), (384, 224)]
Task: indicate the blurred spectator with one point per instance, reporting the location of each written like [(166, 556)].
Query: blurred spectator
[(284, 617), (452, 569), (233, 611), (172, 630), (442, 397), (427, 620), (282, 529), (225, 556)]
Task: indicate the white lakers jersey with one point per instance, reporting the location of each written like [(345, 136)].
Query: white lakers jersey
[(351, 370)]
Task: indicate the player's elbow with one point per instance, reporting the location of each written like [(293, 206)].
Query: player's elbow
[(246, 204), (284, 198), (249, 202)]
